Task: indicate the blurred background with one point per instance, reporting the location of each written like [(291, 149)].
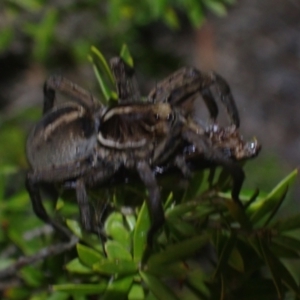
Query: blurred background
[(254, 44)]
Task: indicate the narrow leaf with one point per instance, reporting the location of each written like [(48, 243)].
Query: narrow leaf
[(140, 233), (261, 209), (88, 256), (85, 289), (114, 227), (116, 250), (236, 260), (126, 56), (118, 288), (268, 258), (179, 251), (75, 266), (116, 267), (157, 287), (224, 255), (287, 224), (104, 63)]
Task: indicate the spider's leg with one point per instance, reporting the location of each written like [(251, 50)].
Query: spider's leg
[(126, 83), (214, 155), (210, 103), (49, 97), (154, 202), (38, 207), (181, 164), (227, 98), (57, 174), (65, 86), (83, 204), (180, 88)]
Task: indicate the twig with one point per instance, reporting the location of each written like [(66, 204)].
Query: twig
[(44, 253)]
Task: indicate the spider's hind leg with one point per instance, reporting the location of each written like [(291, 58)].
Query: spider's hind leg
[(33, 189)]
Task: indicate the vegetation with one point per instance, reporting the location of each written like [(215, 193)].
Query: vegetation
[(51, 27), (208, 248)]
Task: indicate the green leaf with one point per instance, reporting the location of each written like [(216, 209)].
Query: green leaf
[(281, 251), (88, 256), (225, 254), (106, 91), (126, 56), (116, 250), (140, 233), (131, 222), (178, 270), (115, 267), (238, 213), (32, 276), (171, 18), (75, 266), (114, 227), (89, 239), (75, 228), (261, 209), (86, 289), (178, 251), (270, 263), (194, 207), (104, 63), (157, 287), (197, 279), (181, 228), (216, 7), (136, 292), (196, 16), (279, 272), (288, 242), (118, 288), (58, 296), (236, 260), (287, 224)]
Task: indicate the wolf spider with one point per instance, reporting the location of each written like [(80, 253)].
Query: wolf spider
[(83, 142)]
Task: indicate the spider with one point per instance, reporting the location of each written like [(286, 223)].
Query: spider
[(84, 142)]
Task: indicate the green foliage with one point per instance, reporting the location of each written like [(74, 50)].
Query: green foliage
[(44, 23), (209, 247)]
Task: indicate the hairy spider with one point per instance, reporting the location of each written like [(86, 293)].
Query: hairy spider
[(87, 143)]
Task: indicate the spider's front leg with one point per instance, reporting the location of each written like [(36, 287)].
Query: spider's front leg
[(70, 89), (154, 202), (180, 88)]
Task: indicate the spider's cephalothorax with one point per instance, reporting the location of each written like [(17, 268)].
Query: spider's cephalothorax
[(86, 143)]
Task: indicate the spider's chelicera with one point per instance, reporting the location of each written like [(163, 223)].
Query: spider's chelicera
[(87, 143)]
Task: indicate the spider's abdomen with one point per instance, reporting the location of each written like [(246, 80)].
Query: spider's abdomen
[(64, 135)]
